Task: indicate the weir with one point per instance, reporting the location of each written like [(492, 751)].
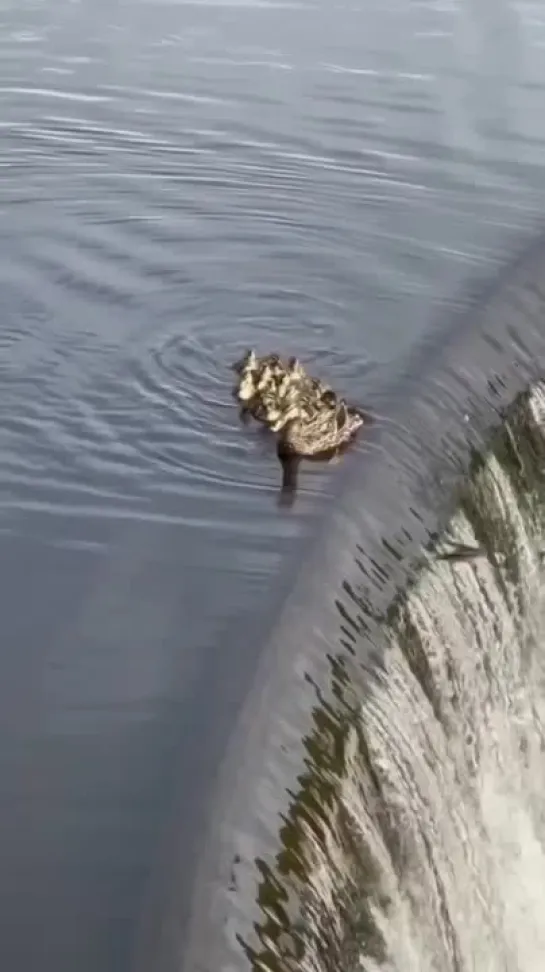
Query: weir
[(378, 800)]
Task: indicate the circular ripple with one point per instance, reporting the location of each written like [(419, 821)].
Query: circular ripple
[(182, 375), (185, 382)]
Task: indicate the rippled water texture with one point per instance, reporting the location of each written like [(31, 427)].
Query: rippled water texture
[(178, 181)]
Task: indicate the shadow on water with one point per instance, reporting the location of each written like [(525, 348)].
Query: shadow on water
[(380, 804)]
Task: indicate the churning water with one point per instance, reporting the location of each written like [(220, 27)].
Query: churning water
[(452, 812)]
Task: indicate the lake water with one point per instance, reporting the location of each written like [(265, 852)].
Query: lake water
[(179, 181)]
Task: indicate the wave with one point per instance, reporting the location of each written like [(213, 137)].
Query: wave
[(372, 793)]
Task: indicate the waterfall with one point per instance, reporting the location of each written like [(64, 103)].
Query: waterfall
[(378, 802), (418, 839)]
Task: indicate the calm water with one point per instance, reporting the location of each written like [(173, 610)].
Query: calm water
[(179, 181)]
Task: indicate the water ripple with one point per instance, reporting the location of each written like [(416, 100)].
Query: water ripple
[(181, 180), (33, 92)]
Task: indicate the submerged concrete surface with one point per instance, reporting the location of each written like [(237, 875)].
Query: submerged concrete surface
[(313, 837)]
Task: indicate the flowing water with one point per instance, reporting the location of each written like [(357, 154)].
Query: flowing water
[(179, 181), (418, 842), (381, 806)]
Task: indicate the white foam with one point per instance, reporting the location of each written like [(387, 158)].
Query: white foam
[(455, 732)]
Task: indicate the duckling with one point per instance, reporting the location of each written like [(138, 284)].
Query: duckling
[(275, 414), (294, 386), (263, 380), (268, 368), (247, 362), (296, 403), (258, 400), (251, 362), (298, 377), (255, 374), (295, 370), (271, 374)]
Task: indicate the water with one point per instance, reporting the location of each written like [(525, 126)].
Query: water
[(380, 804), (178, 181), (435, 855)]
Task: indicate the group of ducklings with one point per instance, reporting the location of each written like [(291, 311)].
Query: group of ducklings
[(306, 414)]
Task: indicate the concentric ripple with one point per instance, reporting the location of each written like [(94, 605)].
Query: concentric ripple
[(190, 421), (285, 193)]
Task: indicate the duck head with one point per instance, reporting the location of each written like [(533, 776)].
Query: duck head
[(247, 363), (266, 378), (247, 387), (295, 369)]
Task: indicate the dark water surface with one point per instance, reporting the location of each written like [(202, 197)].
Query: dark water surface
[(178, 181)]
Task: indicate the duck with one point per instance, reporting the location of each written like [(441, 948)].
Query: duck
[(318, 431), (308, 418)]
